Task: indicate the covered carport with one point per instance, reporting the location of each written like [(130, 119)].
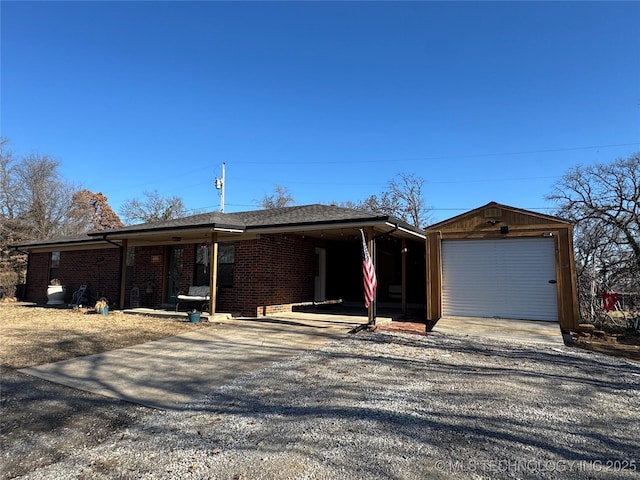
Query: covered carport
[(399, 264), (398, 255)]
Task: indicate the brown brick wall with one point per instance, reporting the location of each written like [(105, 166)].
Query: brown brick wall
[(98, 269), (271, 273), (148, 275), (37, 277)]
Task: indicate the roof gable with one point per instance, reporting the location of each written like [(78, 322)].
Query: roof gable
[(494, 213)]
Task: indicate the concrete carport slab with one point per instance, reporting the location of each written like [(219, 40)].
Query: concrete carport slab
[(506, 330), (172, 372)]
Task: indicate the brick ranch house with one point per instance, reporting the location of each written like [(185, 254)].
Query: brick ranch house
[(267, 260)]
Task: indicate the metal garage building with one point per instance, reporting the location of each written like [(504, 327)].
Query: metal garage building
[(502, 262)]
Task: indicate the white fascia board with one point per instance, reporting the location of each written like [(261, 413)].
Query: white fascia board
[(228, 230), (335, 226), (421, 236)]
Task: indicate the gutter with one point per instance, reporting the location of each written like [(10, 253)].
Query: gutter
[(119, 245), (394, 229)]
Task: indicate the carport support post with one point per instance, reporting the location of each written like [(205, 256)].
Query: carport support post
[(404, 276), (213, 280)]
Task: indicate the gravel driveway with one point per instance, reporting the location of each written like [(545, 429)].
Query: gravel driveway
[(396, 406)]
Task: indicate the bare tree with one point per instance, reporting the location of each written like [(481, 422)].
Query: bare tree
[(44, 198), (404, 199), (153, 208), (345, 204), (34, 203), (406, 190), (604, 202), (8, 182), (12, 264), (91, 211), (382, 203), (281, 197)]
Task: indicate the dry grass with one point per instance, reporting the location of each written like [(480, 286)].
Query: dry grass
[(44, 422), (32, 335)]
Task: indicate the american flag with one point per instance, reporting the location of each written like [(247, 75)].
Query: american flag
[(369, 274)]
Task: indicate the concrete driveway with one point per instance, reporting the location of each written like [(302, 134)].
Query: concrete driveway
[(172, 372)]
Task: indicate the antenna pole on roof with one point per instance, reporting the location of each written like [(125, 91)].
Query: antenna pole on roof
[(220, 186)]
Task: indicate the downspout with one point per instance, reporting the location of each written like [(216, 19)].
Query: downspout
[(389, 232), (119, 245)]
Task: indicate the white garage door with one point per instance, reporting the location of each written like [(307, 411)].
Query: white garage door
[(502, 278)]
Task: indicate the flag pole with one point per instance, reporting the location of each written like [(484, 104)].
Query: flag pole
[(371, 314)]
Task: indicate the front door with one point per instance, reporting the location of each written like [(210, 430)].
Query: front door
[(174, 273), (321, 275)]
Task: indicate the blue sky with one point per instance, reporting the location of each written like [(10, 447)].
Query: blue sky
[(485, 101)]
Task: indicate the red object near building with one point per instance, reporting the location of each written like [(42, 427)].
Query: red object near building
[(609, 300)]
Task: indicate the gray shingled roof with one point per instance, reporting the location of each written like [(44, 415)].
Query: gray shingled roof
[(83, 238), (294, 217), (304, 215), (210, 219), (274, 217)]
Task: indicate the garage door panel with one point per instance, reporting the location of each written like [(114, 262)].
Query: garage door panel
[(506, 278)]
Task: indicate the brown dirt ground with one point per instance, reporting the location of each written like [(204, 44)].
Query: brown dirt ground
[(43, 422), (627, 346)]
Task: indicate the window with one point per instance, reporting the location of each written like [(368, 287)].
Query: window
[(54, 265), (202, 273), (226, 260), (131, 262)]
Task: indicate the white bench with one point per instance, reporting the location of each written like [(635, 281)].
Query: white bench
[(198, 294)]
